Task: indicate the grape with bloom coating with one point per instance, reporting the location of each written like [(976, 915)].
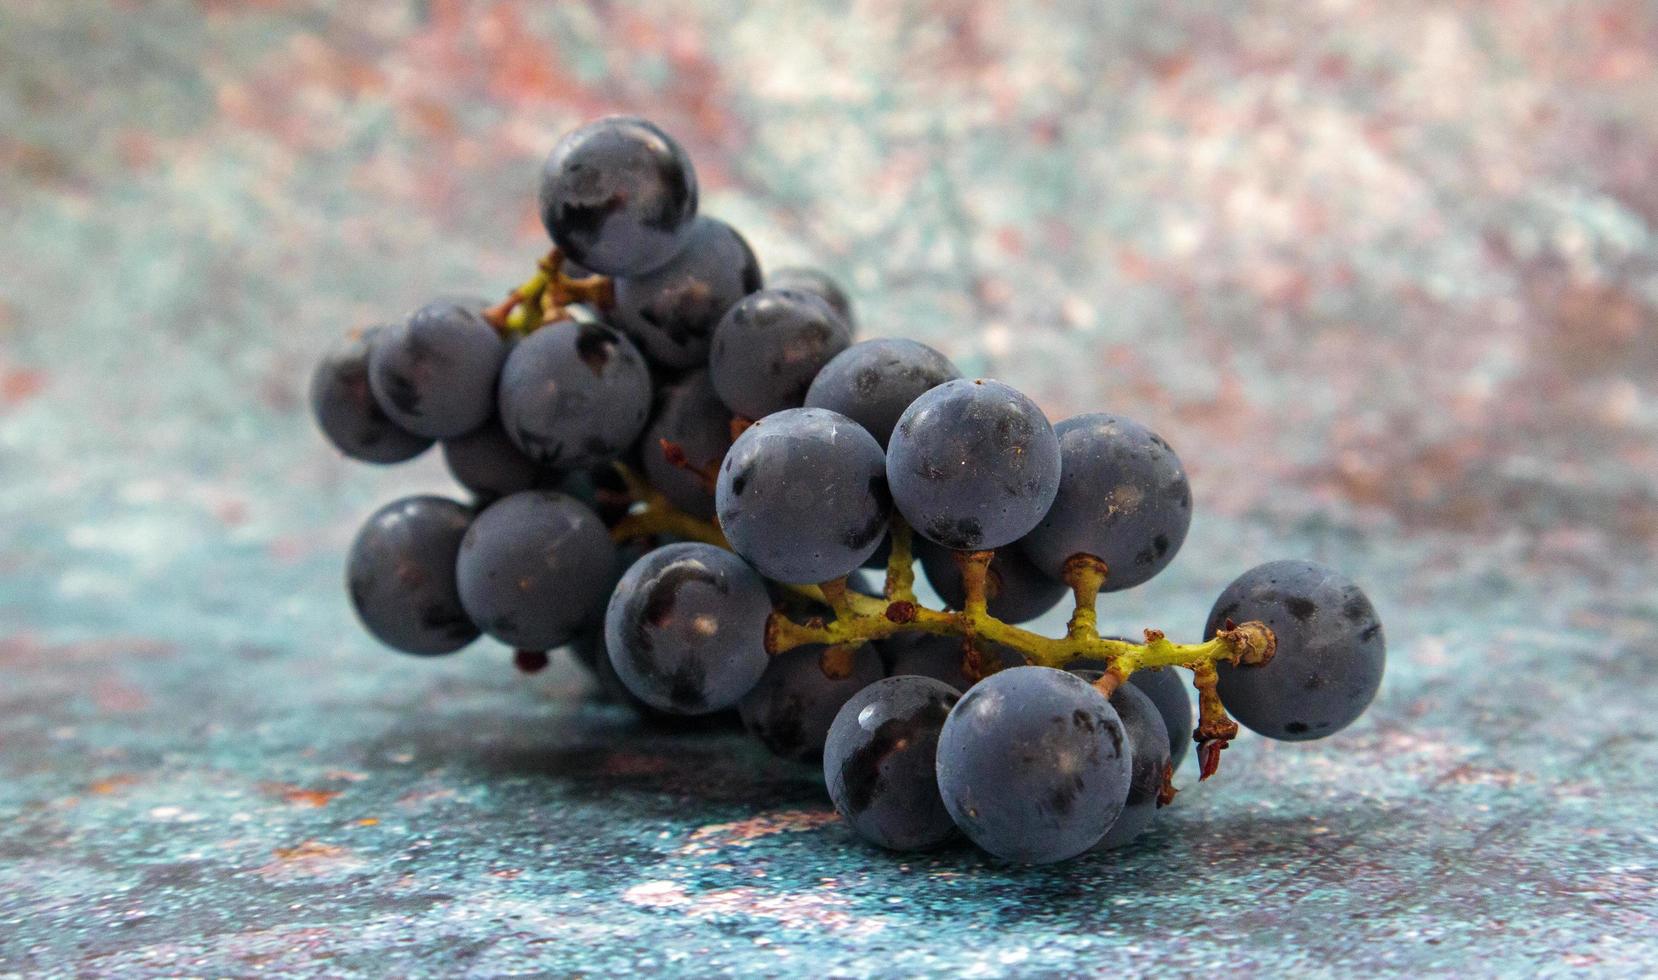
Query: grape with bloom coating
[(819, 284), (434, 373), (618, 196), (879, 762), (1168, 692), (574, 394), (802, 495), (347, 413), (768, 348), (1015, 590), (973, 465), (671, 311), (1123, 498), (873, 381), (692, 418), (944, 658), (686, 628), (534, 567), (486, 462), (1148, 744), (794, 703), (1330, 655), (401, 575), (1033, 765)]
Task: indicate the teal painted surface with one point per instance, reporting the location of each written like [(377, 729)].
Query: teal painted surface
[(1385, 274)]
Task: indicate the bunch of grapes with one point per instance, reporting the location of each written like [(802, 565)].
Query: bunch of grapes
[(694, 478)]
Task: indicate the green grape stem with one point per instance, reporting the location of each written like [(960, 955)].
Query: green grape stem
[(855, 619), (543, 298)]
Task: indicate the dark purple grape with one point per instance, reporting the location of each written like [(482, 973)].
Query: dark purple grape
[(943, 658), (1123, 498), (791, 708), (879, 762), (434, 373), (769, 347), (686, 628), (1330, 654), (818, 284), (1016, 591), (802, 495), (691, 416), (401, 575), (574, 394), (1170, 694), (487, 463), (671, 311), (618, 196), (973, 465), (1033, 765), (347, 413), (534, 568), (1148, 743), (873, 381), (589, 649)]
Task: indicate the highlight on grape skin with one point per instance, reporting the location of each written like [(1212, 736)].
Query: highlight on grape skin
[(685, 471)]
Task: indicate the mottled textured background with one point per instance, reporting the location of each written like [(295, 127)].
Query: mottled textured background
[(1385, 273)]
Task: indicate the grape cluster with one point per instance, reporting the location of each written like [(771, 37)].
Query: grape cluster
[(681, 468)]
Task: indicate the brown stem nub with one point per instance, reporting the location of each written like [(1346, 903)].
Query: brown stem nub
[(1252, 644), (1109, 680), (837, 661), (530, 661), (1166, 794)]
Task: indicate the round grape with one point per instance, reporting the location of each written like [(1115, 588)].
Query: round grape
[(802, 495), (434, 373), (574, 394), (1123, 498), (686, 628), (872, 382), (1148, 743), (943, 658), (534, 567), (973, 465), (1033, 765), (347, 413), (1174, 705), (879, 762), (618, 196), (768, 348), (671, 312), (818, 284), (401, 575), (1015, 590), (1330, 654), (692, 418), (487, 463), (791, 708)]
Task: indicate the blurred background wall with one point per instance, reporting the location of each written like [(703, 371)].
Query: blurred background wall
[(1384, 273)]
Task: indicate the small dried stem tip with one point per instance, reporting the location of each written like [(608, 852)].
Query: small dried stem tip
[(530, 661)]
